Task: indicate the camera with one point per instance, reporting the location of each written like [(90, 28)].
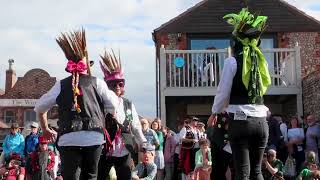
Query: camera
[(16, 163)]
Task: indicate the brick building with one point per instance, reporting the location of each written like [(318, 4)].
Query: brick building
[(311, 93), (292, 48), (21, 94)]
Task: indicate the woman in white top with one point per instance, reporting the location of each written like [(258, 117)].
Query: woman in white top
[(295, 142)]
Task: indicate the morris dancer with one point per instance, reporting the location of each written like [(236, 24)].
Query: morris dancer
[(244, 81), (81, 99), (188, 140), (124, 134)]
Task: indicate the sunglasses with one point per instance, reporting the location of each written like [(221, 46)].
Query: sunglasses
[(114, 84)]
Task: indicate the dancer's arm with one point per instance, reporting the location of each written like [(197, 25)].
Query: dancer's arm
[(43, 105), (109, 98), (221, 99), (136, 126)]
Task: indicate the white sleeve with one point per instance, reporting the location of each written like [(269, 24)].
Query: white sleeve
[(221, 100), (109, 98), (284, 129), (48, 100), (180, 135), (136, 126)]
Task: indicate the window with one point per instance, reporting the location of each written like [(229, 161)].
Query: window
[(9, 116), (267, 42), (30, 115), (199, 44)]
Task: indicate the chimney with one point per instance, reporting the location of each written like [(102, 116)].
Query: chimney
[(11, 77)]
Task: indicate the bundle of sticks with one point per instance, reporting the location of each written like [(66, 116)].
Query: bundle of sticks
[(74, 46)]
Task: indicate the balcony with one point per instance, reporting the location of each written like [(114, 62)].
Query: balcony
[(200, 71)]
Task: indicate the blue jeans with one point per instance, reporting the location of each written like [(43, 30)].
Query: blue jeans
[(248, 139)]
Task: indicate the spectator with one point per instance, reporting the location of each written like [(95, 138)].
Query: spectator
[(13, 170), (14, 142), (274, 141), (203, 161), (310, 171), (189, 144), (52, 147), (201, 130), (147, 169), (271, 166), (159, 159), (176, 158), (295, 142), (150, 135), (159, 122), (41, 162), (310, 159), (312, 136), (169, 152), (282, 152), (31, 140)]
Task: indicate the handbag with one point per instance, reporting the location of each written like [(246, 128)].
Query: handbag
[(289, 169)]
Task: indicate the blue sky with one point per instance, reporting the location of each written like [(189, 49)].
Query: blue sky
[(29, 28)]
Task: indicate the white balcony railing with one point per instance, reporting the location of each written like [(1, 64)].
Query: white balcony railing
[(203, 68)]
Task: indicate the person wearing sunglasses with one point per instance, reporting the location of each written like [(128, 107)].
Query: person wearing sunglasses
[(124, 132)]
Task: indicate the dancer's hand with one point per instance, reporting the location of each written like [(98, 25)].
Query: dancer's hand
[(212, 120), (49, 134)]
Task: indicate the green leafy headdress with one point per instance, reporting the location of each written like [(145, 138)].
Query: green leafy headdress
[(247, 30)]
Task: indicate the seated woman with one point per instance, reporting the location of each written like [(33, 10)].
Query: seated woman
[(203, 161)]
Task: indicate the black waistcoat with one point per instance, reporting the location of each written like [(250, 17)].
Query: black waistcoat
[(239, 93), (92, 114)]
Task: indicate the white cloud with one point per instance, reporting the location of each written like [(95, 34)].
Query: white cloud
[(28, 30)]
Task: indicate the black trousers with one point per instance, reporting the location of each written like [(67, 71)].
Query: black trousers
[(80, 162), (121, 165), (176, 171), (220, 162), (248, 139)]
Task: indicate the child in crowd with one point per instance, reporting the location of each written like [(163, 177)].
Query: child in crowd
[(12, 170), (203, 161), (310, 168), (41, 162), (309, 173), (146, 169)]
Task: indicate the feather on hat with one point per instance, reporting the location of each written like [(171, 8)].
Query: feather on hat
[(111, 66)]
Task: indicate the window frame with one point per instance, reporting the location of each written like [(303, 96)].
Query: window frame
[(208, 36), (13, 116), (25, 116)]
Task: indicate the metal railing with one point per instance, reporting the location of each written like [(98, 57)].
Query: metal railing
[(203, 68)]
